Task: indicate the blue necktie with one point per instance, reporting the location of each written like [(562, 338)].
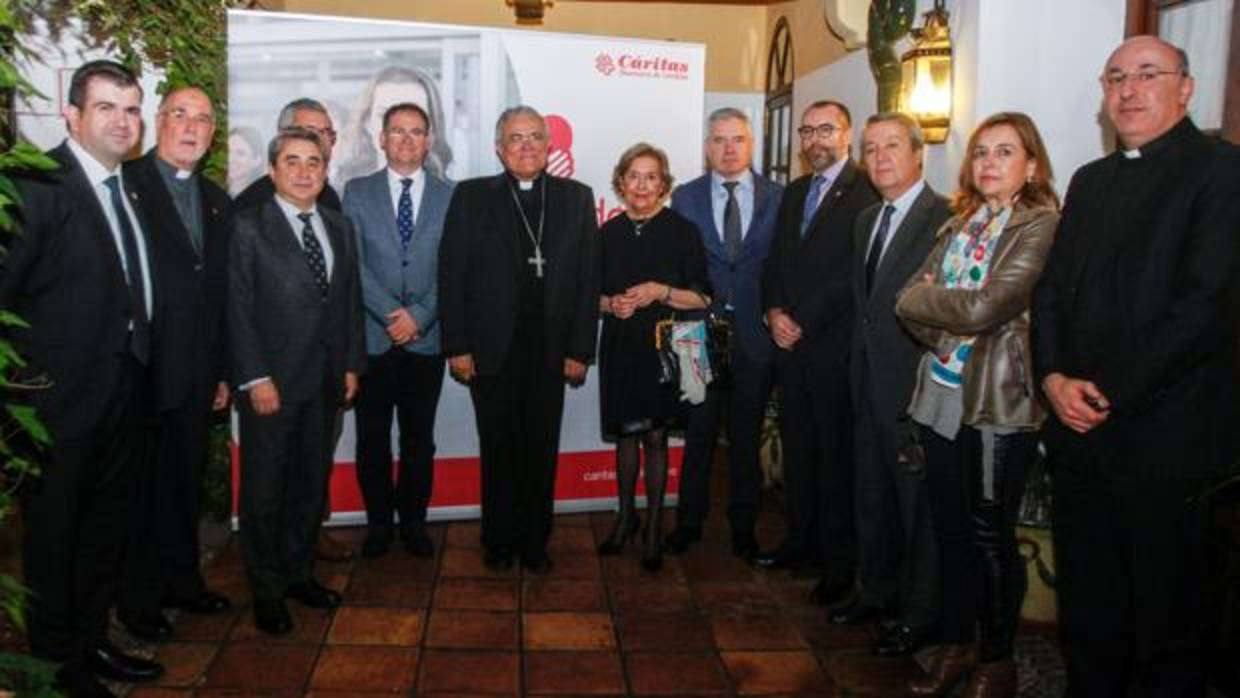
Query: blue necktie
[(139, 336), (811, 202), (404, 215), (314, 253), (876, 246)]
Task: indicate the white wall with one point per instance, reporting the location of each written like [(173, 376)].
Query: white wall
[(1042, 58)]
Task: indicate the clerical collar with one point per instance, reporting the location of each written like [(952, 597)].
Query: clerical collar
[(521, 184), (172, 171), (1183, 128)]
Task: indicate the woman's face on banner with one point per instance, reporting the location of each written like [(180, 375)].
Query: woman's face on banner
[(388, 94)]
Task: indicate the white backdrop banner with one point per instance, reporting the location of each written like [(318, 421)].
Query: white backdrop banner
[(599, 94)]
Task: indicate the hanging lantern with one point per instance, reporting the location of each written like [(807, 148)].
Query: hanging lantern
[(926, 76), (529, 11)]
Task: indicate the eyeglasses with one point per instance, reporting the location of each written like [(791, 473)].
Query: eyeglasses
[(180, 116), (531, 137), (329, 133), (1116, 78), (821, 130), (398, 132)]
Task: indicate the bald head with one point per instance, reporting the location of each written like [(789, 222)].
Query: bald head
[(1147, 89)]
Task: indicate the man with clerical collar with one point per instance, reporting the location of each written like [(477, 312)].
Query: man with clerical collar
[(518, 297), (188, 230), (897, 578), (80, 274), (1134, 343), (398, 212), (296, 343), (807, 294)]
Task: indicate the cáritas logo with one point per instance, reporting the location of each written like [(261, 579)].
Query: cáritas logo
[(632, 65)]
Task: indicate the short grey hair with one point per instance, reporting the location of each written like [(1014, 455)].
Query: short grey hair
[(294, 133), (513, 112), (915, 137), (727, 114), (285, 119)]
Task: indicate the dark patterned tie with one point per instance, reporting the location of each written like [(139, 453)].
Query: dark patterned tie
[(140, 335), (404, 215), (732, 223), (314, 253), (811, 202), (876, 247)]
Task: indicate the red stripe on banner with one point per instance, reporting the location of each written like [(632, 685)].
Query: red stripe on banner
[(579, 475)]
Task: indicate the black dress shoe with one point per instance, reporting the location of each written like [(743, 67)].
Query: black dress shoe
[(313, 594), (776, 559), (746, 548), (146, 625), (376, 544), (539, 563), (830, 590), (418, 544), (679, 540), (110, 663), (856, 612), (75, 683), (271, 616), (899, 641), (497, 560), (204, 604)]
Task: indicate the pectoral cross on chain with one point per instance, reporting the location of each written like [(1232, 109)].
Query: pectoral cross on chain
[(537, 261)]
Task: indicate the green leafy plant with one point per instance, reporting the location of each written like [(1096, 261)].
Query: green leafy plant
[(890, 21)]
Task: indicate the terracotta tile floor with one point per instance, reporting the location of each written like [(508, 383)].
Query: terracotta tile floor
[(705, 625)]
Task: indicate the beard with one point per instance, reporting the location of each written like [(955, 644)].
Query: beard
[(820, 157)]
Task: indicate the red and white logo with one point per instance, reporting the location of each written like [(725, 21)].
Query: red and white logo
[(560, 150), (604, 64)]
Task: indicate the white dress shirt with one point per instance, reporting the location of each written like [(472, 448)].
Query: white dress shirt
[(902, 204), (291, 212), (744, 199), (415, 190)]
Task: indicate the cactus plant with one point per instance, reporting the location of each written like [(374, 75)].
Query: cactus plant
[(890, 21)]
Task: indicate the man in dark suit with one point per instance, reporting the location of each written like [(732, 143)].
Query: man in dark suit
[(518, 296), (188, 232), (808, 296), (306, 113), (79, 272), (1134, 344), (398, 213), (897, 569), (734, 209), (295, 335)]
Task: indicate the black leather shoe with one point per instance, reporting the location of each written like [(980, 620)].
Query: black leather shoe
[(376, 544), (146, 625), (830, 590), (497, 560), (856, 612), (76, 683), (777, 559), (418, 544), (110, 663), (538, 564), (746, 548), (204, 604), (313, 594), (271, 616), (900, 641), (679, 540)]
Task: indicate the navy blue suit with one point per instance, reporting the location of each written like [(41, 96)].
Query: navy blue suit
[(739, 281)]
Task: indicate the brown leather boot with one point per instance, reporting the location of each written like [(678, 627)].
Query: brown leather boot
[(947, 668), (992, 680)]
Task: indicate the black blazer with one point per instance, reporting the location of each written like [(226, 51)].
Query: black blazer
[(1165, 267), (63, 275), (884, 355), (811, 278), (278, 325), (189, 335), (480, 268)]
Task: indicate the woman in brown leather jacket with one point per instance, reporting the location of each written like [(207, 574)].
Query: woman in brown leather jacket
[(975, 402)]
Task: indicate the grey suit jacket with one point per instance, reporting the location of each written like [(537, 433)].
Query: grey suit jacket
[(884, 355), (391, 277), (278, 325)]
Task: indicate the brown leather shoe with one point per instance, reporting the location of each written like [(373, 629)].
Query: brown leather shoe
[(947, 668), (992, 680), (332, 550)]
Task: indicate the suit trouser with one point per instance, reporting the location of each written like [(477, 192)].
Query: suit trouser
[(897, 554), (1132, 582), (745, 405), (518, 413), (285, 460), (815, 424), (163, 557), (410, 384), (76, 521)]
